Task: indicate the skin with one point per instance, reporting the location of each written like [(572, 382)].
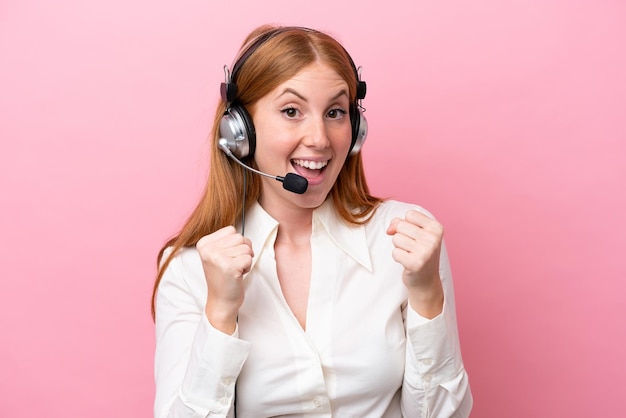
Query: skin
[(305, 122)]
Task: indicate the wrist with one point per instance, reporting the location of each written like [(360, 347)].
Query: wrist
[(427, 301), (223, 319)]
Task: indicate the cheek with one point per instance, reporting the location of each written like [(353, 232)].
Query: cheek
[(342, 138), (272, 150), (276, 144), (269, 140)]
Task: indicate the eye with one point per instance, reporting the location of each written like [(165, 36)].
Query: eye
[(336, 113), (291, 112)]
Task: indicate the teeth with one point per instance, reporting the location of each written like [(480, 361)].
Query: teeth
[(312, 165)]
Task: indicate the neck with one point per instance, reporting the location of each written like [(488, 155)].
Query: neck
[(294, 234), (294, 223)]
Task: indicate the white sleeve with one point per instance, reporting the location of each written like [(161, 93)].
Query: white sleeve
[(435, 383), (196, 366)]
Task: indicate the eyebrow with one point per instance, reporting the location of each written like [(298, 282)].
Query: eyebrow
[(343, 92)]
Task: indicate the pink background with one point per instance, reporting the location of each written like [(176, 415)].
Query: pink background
[(504, 118)]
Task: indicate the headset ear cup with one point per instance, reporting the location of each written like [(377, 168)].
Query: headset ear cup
[(359, 130), (237, 128)]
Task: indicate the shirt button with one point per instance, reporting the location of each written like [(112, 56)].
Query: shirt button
[(317, 402), (227, 381), (428, 378), (427, 362)]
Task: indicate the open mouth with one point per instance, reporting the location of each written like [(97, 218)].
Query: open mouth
[(309, 169)]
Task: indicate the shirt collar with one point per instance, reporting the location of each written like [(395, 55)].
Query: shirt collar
[(350, 238), (261, 228)]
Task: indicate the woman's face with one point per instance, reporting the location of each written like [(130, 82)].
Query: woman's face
[(303, 126)]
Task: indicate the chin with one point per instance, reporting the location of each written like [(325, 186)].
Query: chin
[(311, 199)]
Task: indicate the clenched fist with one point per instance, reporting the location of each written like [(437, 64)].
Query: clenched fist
[(417, 240), (226, 256)]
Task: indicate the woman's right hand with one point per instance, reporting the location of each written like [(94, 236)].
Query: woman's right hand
[(226, 256)]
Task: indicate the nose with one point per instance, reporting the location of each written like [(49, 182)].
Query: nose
[(317, 134)]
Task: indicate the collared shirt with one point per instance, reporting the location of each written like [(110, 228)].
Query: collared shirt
[(364, 353)]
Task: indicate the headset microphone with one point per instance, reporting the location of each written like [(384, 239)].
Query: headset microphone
[(291, 182)]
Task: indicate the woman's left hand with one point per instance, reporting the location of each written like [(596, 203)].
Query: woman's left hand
[(417, 240)]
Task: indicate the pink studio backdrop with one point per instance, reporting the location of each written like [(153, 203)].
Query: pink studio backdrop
[(504, 118)]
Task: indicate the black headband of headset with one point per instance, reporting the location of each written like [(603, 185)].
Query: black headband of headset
[(228, 89)]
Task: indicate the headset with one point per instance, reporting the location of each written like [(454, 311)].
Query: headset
[(236, 127)]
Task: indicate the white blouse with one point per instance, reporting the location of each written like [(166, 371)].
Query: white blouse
[(364, 353)]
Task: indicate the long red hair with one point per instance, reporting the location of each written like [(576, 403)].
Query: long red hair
[(276, 60)]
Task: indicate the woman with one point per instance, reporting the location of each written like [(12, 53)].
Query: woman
[(280, 302)]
